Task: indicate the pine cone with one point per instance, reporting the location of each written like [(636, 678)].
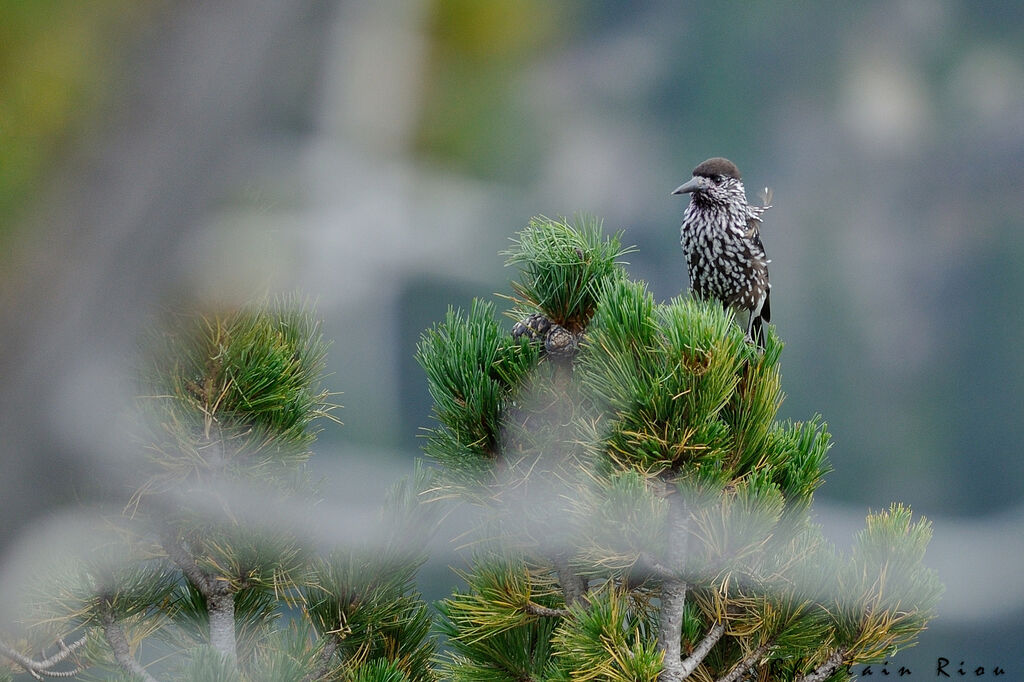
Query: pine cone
[(560, 342), (535, 327)]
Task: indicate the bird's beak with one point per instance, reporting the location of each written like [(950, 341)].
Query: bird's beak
[(688, 187)]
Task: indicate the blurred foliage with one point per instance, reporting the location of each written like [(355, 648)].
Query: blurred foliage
[(191, 585), (235, 393), (56, 68), (474, 117)]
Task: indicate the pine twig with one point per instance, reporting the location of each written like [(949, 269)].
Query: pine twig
[(65, 651), (545, 612), (185, 562), (324, 659), (702, 650), (574, 586), (825, 670), (747, 663), (650, 567), (42, 669), (122, 652)]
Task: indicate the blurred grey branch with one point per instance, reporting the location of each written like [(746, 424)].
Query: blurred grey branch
[(45, 667), (122, 651)]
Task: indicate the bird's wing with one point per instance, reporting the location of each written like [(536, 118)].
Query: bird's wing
[(754, 229), (753, 236), (757, 249)]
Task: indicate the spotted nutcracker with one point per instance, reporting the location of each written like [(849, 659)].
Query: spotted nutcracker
[(722, 244)]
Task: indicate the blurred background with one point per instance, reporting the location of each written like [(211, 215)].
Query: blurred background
[(377, 156)]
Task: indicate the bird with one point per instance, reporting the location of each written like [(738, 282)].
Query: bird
[(721, 240)]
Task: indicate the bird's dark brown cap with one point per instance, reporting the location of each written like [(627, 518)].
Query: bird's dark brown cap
[(717, 166)]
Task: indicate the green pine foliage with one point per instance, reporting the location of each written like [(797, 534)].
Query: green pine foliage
[(209, 665), (379, 671), (197, 579), (491, 633), (620, 519), (608, 639), (471, 369), (881, 577), (287, 654), (649, 457), (105, 583), (371, 604), (564, 265), (644, 516), (236, 394)]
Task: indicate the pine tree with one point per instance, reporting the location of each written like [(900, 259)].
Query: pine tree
[(644, 515), (190, 584)]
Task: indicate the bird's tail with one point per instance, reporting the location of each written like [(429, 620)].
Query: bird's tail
[(759, 319), (757, 331)]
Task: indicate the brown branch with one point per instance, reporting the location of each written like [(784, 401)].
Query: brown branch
[(65, 651), (747, 663), (545, 612), (670, 628), (574, 586), (122, 652), (825, 670), (42, 669)]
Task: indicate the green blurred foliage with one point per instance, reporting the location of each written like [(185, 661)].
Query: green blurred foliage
[(56, 59), (474, 117)]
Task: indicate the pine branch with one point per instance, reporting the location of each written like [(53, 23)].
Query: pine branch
[(122, 652), (220, 602), (42, 669), (673, 594), (574, 586), (324, 659), (221, 607), (184, 560), (825, 670), (65, 651), (747, 663), (545, 612), (652, 568), (702, 650), (670, 627)]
